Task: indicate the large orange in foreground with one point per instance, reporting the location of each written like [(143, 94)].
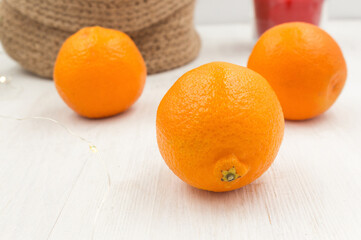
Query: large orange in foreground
[(99, 72), (304, 65), (219, 127)]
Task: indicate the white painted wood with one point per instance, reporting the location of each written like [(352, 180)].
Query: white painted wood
[(51, 186)]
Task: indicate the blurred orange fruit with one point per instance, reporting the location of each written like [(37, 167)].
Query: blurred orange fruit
[(99, 72), (304, 65), (219, 127)]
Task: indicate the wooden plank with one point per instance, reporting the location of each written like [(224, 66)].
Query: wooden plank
[(51, 185)]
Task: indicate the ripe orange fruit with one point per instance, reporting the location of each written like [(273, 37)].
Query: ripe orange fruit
[(219, 127), (99, 72), (304, 65)]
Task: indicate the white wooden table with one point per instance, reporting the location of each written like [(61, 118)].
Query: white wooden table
[(51, 185)]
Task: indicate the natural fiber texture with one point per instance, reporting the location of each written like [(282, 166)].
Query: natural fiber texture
[(32, 31)]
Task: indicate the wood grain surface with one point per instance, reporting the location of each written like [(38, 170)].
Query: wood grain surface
[(51, 185)]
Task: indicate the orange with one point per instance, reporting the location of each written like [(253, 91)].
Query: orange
[(99, 72), (219, 127), (304, 65)]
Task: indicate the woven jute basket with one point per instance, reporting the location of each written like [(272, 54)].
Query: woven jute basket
[(32, 31)]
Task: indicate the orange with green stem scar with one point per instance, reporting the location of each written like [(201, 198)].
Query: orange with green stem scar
[(219, 127), (230, 175)]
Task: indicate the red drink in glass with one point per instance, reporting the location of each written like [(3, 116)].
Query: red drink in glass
[(273, 12)]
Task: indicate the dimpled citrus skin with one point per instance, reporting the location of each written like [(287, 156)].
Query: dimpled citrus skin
[(217, 117), (99, 72), (304, 65)]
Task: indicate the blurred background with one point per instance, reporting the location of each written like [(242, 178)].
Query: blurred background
[(229, 11)]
